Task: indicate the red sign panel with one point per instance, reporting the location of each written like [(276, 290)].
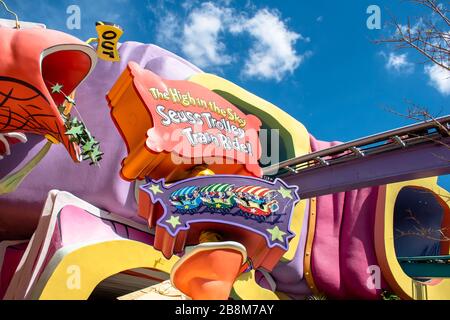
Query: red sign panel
[(186, 119)]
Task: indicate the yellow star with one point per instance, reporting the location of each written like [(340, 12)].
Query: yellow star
[(186, 207), (155, 189), (218, 205), (277, 234), (285, 193), (174, 221)]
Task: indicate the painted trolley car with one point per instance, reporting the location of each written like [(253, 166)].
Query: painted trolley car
[(256, 201), (218, 197), (186, 200)]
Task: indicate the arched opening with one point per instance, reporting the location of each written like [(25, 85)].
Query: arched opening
[(67, 66), (127, 282), (422, 233)]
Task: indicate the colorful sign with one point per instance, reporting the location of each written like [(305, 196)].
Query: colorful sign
[(108, 38), (250, 210), (179, 117)]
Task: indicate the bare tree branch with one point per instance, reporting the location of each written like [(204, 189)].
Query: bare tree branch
[(419, 230), (429, 35)]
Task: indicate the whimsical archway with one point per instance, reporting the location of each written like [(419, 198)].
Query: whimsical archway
[(108, 258), (403, 285), (419, 218), (102, 260)]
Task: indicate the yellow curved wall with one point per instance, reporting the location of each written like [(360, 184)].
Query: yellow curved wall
[(99, 261)]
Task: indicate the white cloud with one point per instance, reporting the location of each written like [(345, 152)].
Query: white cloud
[(272, 55), (399, 63), (200, 37), (168, 30), (439, 78)]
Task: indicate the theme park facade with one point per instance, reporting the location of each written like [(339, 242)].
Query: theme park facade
[(166, 196)]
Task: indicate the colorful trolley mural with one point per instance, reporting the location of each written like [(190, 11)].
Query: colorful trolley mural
[(251, 202)]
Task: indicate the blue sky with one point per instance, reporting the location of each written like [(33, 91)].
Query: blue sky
[(315, 59)]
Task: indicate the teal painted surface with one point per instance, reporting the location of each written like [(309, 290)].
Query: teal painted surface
[(426, 266)]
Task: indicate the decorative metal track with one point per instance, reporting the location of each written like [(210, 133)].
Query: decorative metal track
[(414, 140)]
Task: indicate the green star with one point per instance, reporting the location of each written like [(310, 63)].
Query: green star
[(174, 221), (57, 88), (96, 153), (155, 189), (74, 122), (285, 193), (75, 130), (87, 137), (87, 147), (277, 234)]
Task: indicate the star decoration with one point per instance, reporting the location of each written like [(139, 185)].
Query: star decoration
[(91, 143), (155, 189), (186, 207), (95, 154), (57, 88), (285, 193), (174, 221), (78, 133), (74, 122), (276, 234), (75, 130), (218, 205)]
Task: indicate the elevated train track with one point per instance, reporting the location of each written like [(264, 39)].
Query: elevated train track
[(411, 152)]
